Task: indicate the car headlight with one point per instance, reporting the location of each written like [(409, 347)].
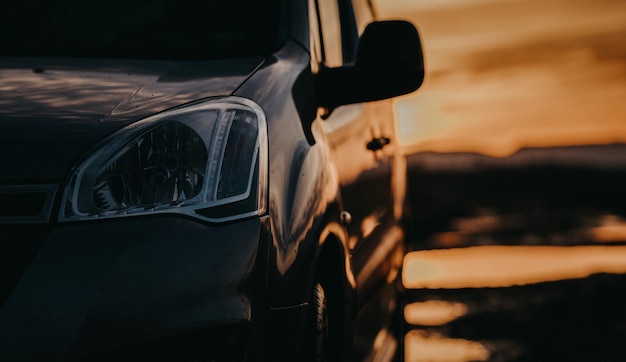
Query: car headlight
[(207, 160)]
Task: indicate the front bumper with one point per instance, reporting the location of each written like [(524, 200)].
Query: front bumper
[(117, 285)]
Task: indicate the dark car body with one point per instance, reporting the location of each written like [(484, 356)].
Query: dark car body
[(199, 276)]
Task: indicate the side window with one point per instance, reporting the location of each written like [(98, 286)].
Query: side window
[(363, 14), (317, 56), (338, 28), (330, 27), (326, 44)]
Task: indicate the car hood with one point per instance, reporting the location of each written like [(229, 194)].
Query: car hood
[(53, 110)]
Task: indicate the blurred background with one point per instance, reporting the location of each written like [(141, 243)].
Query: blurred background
[(516, 148)]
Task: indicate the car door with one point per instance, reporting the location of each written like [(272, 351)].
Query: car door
[(363, 145)]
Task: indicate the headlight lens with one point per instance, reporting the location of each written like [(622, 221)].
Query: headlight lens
[(207, 160)]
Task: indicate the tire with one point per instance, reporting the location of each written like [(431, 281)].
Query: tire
[(316, 342)]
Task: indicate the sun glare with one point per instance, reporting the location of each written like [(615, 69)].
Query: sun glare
[(515, 74), (504, 266)]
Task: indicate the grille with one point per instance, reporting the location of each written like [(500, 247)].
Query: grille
[(26, 204)]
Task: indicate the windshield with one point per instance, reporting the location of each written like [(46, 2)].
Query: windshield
[(156, 29)]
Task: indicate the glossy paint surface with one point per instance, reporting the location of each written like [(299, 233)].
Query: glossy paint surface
[(88, 289), (52, 111), (96, 287)]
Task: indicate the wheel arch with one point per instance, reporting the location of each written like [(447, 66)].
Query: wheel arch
[(333, 271), (333, 259)]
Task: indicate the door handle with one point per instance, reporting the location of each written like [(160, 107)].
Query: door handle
[(377, 143)]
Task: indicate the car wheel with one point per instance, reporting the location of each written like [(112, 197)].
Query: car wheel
[(315, 347)]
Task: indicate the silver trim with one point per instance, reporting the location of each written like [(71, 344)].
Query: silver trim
[(128, 133)]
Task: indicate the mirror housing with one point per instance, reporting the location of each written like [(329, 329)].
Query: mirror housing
[(389, 63)]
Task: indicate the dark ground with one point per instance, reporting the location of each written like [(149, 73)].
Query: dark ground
[(536, 197)]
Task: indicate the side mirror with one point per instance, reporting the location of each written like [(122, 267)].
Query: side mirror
[(389, 63)]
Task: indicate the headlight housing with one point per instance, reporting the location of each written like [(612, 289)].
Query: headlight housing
[(208, 160)]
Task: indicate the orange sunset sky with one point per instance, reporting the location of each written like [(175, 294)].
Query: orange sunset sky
[(507, 74), (502, 75)]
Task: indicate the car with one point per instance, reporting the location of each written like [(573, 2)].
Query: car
[(199, 180)]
